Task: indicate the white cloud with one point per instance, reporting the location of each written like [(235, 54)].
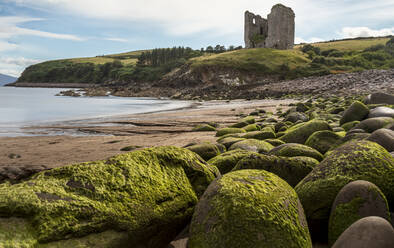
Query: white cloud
[(215, 17), (116, 39), (7, 46), (299, 40), (354, 32), (14, 66), (9, 27)]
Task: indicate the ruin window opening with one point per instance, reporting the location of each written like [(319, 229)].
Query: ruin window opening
[(261, 31), (254, 20)]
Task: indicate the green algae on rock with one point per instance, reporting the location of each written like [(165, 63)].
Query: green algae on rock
[(260, 135), (323, 140), (203, 128), (205, 150), (225, 162), (229, 130), (249, 208), (274, 142), (354, 160), (252, 145), (299, 133), (349, 125), (354, 201), (292, 170), (356, 112), (372, 124), (251, 128), (228, 141), (294, 150), (148, 194)]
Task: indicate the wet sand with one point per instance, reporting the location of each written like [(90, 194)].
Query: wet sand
[(105, 137)]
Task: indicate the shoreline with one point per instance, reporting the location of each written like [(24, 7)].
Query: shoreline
[(108, 137)]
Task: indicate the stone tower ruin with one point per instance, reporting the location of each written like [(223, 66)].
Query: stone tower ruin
[(277, 31)]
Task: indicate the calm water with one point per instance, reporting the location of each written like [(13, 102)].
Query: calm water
[(21, 107)]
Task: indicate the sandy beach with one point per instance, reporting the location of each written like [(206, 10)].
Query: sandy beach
[(105, 137)]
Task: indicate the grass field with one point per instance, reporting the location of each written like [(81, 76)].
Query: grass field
[(253, 59), (349, 45), (102, 60)]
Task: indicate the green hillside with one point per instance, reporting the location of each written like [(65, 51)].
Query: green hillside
[(304, 60)]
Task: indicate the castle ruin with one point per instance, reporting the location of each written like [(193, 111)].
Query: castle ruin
[(277, 31)]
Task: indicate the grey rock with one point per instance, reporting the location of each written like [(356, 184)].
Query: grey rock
[(360, 199), (381, 112), (296, 116), (384, 137), (379, 97), (372, 124), (369, 232)]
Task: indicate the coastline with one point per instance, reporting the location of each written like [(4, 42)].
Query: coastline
[(106, 137)]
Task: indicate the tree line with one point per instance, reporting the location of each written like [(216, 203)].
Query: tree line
[(163, 56)]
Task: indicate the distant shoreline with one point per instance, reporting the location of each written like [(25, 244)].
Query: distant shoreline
[(50, 85)]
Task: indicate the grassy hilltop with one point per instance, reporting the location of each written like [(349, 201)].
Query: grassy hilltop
[(304, 60)]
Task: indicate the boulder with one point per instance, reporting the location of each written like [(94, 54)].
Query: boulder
[(301, 107), (354, 160), (349, 125), (355, 136), (205, 150), (354, 201), (294, 150), (228, 141), (249, 119), (249, 208), (381, 112), (229, 130), (300, 133), (356, 112), (225, 162), (296, 116), (260, 135), (373, 124), (240, 124), (203, 128), (252, 145), (378, 98), (384, 137), (369, 232), (141, 198), (275, 142), (290, 169), (323, 140), (251, 128)]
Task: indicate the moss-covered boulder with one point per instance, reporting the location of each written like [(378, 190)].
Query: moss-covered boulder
[(228, 141), (349, 125), (323, 140), (225, 162), (356, 112), (251, 128), (294, 150), (249, 208), (301, 132), (372, 124), (249, 119), (139, 198), (229, 130), (240, 124), (252, 145), (274, 142), (296, 116), (355, 160), (260, 135), (301, 107), (290, 169), (205, 150), (356, 200), (204, 128)]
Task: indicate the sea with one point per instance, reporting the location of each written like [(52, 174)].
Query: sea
[(26, 107)]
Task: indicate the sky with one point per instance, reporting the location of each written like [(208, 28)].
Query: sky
[(32, 31)]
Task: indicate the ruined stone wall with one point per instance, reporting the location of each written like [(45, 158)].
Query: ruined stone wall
[(280, 28), (276, 32), (256, 30)]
